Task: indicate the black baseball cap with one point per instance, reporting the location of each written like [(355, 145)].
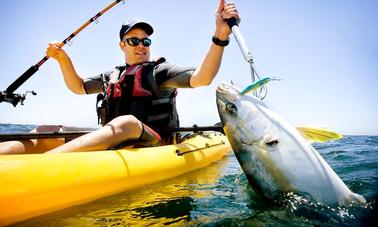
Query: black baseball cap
[(135, 23)]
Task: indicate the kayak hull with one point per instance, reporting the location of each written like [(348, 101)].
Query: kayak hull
[(36, 184)]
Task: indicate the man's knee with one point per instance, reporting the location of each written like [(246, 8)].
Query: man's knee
[(126, 124), (124, 121)]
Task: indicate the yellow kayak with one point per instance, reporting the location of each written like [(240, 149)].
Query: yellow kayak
[(36, 184)]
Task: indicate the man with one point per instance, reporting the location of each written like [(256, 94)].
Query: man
[(124, 117)]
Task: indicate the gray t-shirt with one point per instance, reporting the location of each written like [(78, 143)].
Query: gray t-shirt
[(167, 76)]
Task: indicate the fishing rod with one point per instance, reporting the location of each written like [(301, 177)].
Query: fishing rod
[(75, 134), (14, 99)]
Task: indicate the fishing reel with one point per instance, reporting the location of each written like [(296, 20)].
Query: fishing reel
[(13, 98)]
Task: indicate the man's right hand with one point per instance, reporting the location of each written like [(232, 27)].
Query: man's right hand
[(55, 51)]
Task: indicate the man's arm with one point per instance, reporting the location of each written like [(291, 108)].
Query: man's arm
[(207, 71), (73, 81)]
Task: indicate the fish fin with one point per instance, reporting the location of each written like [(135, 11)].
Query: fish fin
[(318, 134)]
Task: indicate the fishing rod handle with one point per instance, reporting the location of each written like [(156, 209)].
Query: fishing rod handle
[(22, 79), (25, 76), (240, 39)]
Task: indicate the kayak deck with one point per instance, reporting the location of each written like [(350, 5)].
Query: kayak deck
[(37, 184)]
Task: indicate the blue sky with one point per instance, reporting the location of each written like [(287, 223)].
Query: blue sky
[(325, 52)]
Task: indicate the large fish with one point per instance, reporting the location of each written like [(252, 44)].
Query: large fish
[(274, 155)]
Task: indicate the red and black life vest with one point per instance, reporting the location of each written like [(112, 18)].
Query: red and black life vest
[(135, 92)]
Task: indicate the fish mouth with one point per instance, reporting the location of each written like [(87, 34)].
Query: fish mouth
[(226, 93), (228, 90)]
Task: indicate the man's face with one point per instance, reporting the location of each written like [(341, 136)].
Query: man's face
[(135, 54)]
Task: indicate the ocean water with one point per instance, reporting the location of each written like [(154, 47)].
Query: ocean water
[(219, 195)]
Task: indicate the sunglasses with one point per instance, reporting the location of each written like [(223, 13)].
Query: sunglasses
[(135, 41)]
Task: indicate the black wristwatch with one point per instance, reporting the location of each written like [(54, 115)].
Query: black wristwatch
[(219, 42)]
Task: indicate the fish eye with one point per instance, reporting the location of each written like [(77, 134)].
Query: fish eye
[(231, 108)]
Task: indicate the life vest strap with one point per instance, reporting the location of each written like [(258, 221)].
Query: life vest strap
[(158, 117), (160, 101)]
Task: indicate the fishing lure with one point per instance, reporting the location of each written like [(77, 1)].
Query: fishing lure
[(257, 84)]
